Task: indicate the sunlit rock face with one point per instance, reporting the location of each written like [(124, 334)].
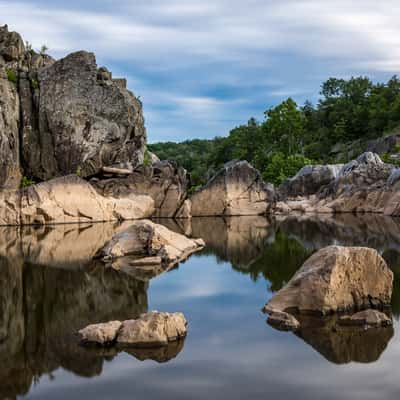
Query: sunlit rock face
[(237, 189), (68, 199), (342, 345)]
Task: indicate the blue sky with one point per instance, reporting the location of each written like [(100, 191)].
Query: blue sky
[(203, 67)]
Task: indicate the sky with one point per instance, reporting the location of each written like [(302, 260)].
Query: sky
[(203, 67)]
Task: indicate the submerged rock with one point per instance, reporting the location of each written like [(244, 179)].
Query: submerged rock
[(147, 243), (367, 318), (65, 200), (336, 279), (237, 189)]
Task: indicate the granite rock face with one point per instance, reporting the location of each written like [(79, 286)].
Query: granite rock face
[(310, 179), (65, 200), (163, 181), (336, 279), (237, 189), (63, 117)]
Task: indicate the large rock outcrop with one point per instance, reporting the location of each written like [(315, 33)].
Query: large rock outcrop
[(237, 189), (63, 117), (65, 200), (165, 182), (336, 279)]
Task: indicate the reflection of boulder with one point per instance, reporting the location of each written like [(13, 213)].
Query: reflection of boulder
[(160, 354), (342, 345), (239, 240)]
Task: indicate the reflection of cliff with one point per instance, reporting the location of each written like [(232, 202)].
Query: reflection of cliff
[(342, 345), (62, 246), (42, 306)]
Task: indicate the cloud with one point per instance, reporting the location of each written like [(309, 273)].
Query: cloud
[(220, 61)]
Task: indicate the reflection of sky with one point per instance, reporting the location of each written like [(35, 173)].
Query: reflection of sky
[(230, 352)]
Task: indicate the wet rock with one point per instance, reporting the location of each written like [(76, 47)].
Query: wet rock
[(103, 334), (237, 189), (310, 179), (335, 279), (283, 321), (144, 239), (65, 200), (163, 181), (152, 329), (367, 318)]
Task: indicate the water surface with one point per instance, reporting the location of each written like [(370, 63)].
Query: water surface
[(50, 287)]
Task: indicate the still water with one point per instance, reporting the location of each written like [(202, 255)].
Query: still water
[(49, 288)]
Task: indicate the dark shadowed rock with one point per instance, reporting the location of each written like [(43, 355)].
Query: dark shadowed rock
[(85, 120), (366, 318), (237, 189), (163, 181)]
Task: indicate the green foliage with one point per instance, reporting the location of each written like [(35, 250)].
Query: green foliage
[(12, 75), (349, 112), (281, 167), (25, 182), (146, 158), (43, 50), (78, 171), (34, 83)]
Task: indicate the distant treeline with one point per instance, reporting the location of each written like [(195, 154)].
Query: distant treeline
[(292, 136)]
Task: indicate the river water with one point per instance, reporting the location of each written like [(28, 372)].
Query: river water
[(49, 288)]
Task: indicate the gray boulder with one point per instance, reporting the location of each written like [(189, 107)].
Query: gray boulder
[(310, 179)]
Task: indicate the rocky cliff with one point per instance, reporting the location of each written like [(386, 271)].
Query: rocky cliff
[(62, 117)]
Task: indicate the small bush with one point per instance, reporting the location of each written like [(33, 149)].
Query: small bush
[(25, 182), (78, 171), (146, 158), (34, 83), (12, 75)]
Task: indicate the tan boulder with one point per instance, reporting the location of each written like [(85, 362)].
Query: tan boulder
[(103, 333), (66, 200), (336, 279), (237, 189), (152, 329)]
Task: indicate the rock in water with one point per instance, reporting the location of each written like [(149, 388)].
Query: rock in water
[(336, 279), (368, 318), (152, 329), (102, 334), (148, 242), (237, 189), (65, 200)]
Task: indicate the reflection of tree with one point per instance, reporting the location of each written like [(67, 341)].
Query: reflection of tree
[(278, 261)]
